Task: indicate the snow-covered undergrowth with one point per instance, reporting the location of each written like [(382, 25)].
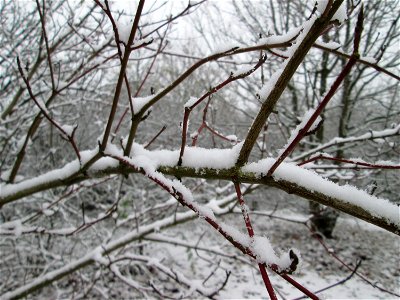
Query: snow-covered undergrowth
[(352, 241)]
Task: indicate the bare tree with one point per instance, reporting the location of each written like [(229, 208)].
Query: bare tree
[(89, 76)]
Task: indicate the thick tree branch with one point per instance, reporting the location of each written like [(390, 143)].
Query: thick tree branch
[(35, 185), (268, 105)]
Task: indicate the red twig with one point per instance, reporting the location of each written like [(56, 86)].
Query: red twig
[(327, 98), (121, 77), (250, 230), (192, 206), (215, 132), (332, 253), (213, 90), (139, 89), (274, 268), (181, 199), (203, 123), (155, 137), (299, 286), (328, 249), (339, 282)]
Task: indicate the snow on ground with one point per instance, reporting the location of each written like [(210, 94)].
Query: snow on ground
[(353, 239)]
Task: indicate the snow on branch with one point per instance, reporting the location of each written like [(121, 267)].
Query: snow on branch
[(377, 207), (220, 164), (338, 141)]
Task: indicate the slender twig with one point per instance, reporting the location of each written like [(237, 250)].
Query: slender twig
[(350, 161), (250, 231), (46, 40), (139, 89), (69, 136), (359, 60), (64, 196), (212, 91), (339, 282), (328, 249), (299, 287), (216, 133), (121, 77), (155, 137), (234, 51), (107, 11), (203, 123)]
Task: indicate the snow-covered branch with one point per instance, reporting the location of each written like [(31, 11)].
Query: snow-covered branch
[(220, 164)]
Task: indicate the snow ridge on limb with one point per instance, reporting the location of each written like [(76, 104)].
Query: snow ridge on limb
[(288, 177), (310, 180)]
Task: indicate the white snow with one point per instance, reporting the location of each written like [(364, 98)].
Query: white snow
[(310, 180), (240, 237), (124, 30), (369, 135), (278, 39), (369, 59), (139, 102), (195, 157), (68, 129), (242, 70), (266, 254), (141, 42), (341, 13), (388, 163), (260, 246), (233, 138), (270, 84), (212, 158), (58, 174), (97, 255), (193, 135), (330, 45), (190, 102), (224, 47)]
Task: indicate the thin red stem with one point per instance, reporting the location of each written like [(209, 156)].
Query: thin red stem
[(213, 90), (214, 132), (250, 230), (141, 84), (299, 286), (327, 98), (121, 77)]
